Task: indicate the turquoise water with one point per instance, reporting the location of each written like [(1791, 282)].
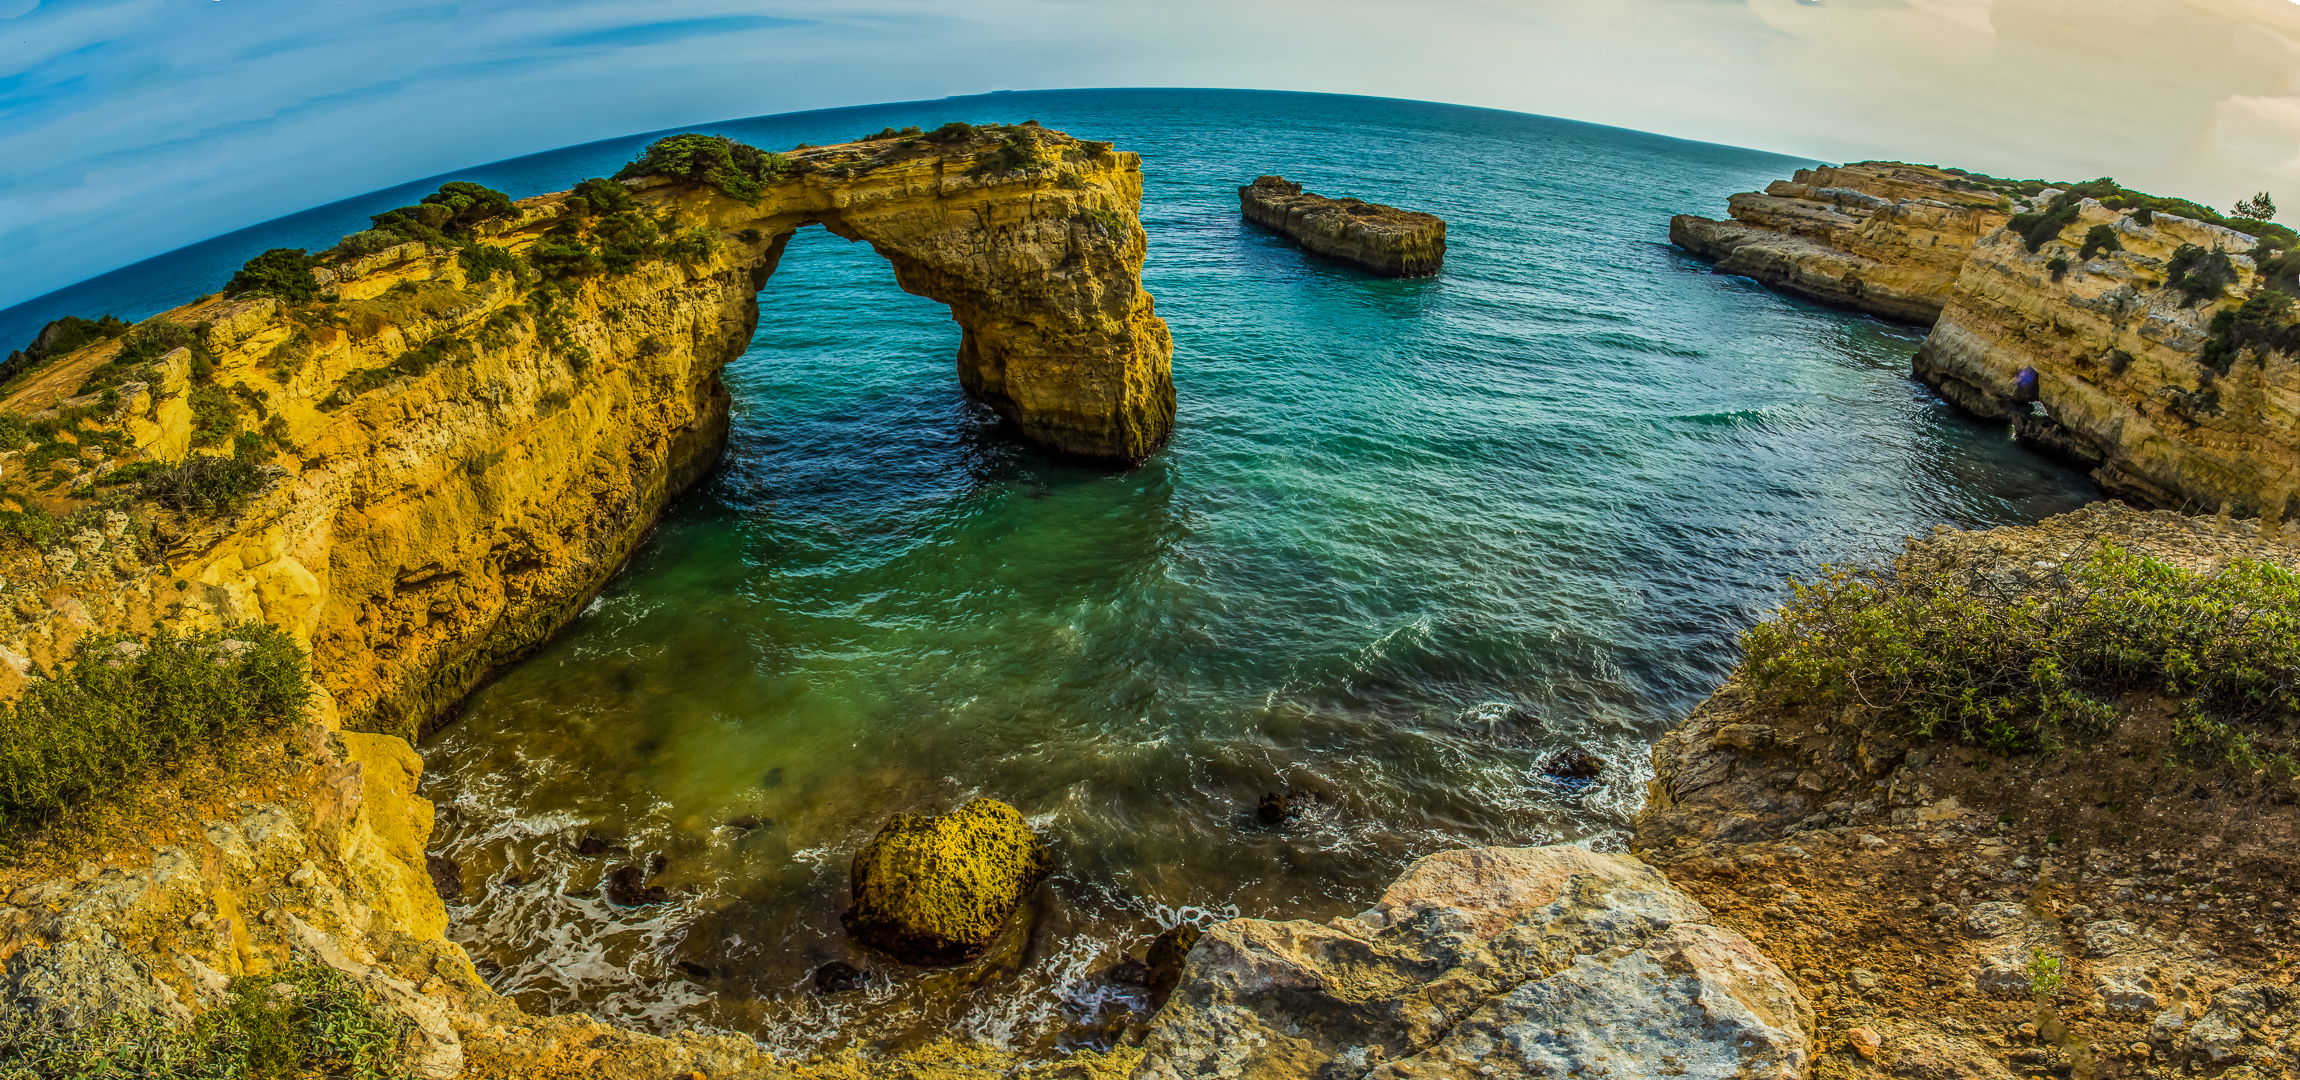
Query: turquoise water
[(1410, 539)]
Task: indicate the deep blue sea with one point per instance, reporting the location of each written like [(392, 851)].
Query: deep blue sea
[(1411, 538)]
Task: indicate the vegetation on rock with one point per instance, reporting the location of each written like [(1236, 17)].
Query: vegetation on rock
[(126, 703), (2099, 240), (281, 273), (937, 889), (60, 337), (308, 1020), (2026, 664), (2259, 207), (2264, 323), (446, 217), (2201, 276), (142, 349), (738, 170)]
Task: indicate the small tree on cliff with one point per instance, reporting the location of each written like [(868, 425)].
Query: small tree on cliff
[(281, 272), (738, 169), (2257, 208)]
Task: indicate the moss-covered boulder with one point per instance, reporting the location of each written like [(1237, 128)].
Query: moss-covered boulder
[(935, 889)]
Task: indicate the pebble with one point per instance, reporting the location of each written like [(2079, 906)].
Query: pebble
[(1865, 1041)]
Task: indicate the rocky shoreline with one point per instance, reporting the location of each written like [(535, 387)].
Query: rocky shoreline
[(2087, 330), (1804, 895)]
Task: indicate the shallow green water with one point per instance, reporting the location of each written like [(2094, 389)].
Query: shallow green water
[(1410, 539)]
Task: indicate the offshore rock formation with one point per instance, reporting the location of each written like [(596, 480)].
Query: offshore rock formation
[(1554, 961), (1879, 237), (2124, 381), (2103, 909), (454, 467), (937, 889), (1370, 236)]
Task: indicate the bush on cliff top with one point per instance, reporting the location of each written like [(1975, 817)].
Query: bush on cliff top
[(281, 273), (739, 170), (124, 704), (2264, 323), (306, 1020), (1937, 651), (60, 337), (446, 217)]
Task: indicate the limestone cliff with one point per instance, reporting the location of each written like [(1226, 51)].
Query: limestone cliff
[(2127, 378), (454, 459), (1880, 237), (1382, 239), (2123, 383)]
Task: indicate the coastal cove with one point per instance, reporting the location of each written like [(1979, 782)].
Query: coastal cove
[(879, 604), (1411, 541)]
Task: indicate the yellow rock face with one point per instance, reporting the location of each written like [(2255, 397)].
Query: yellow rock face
[(2122, 387), (1879, 237), (937, 889), (434, 524)]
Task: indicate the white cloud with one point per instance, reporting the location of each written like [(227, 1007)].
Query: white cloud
[(136, 126)]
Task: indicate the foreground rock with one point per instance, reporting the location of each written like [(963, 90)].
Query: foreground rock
[(1369, 236), (2113, 908), (937, 889), (1503, 962)]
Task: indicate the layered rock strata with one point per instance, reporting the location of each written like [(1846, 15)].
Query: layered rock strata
[(455, 464), (2119, 378), (1381, 239), (1879, 237)]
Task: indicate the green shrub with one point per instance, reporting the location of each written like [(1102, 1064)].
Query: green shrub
[(1018, 150), (2057, 266), (215, 416), (563, 255), (281, 273), (201, 484), (481, 262), (2099, 240), (469, 204), (124, 704), (2264, 322), (2144, 216), (598, 196), (2037, 228), (446, 348), (953, 133), (369, 242), (692, 245), (738, 170), (59, 338), (308, 1020), (142, 349), (623, 241), (2201, 276), (1937, 651), (894, 133)]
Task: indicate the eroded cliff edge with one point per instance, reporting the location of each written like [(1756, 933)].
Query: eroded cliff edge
[(449, 445), (2125, 333)]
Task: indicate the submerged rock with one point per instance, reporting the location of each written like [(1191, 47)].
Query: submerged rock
[(839, 977), (1369, 236), (1274, 809), (1574, 767), (936, 889), (1164, 964), (1554, 961), (627, 887), (446, 876)]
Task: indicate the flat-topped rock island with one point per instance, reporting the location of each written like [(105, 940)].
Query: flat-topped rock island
[(1379, 239)]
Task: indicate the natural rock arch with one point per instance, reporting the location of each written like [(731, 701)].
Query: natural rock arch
[(1040, 266), (464, 458)]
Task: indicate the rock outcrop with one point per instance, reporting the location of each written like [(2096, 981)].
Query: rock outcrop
[(1381, 239), (2124, 376), (2123, 384), (1531, 962), (1880, 237), (937, 889), (2113, 908), (453, 461)]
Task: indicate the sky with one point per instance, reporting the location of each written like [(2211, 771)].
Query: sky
[(132, 127)]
